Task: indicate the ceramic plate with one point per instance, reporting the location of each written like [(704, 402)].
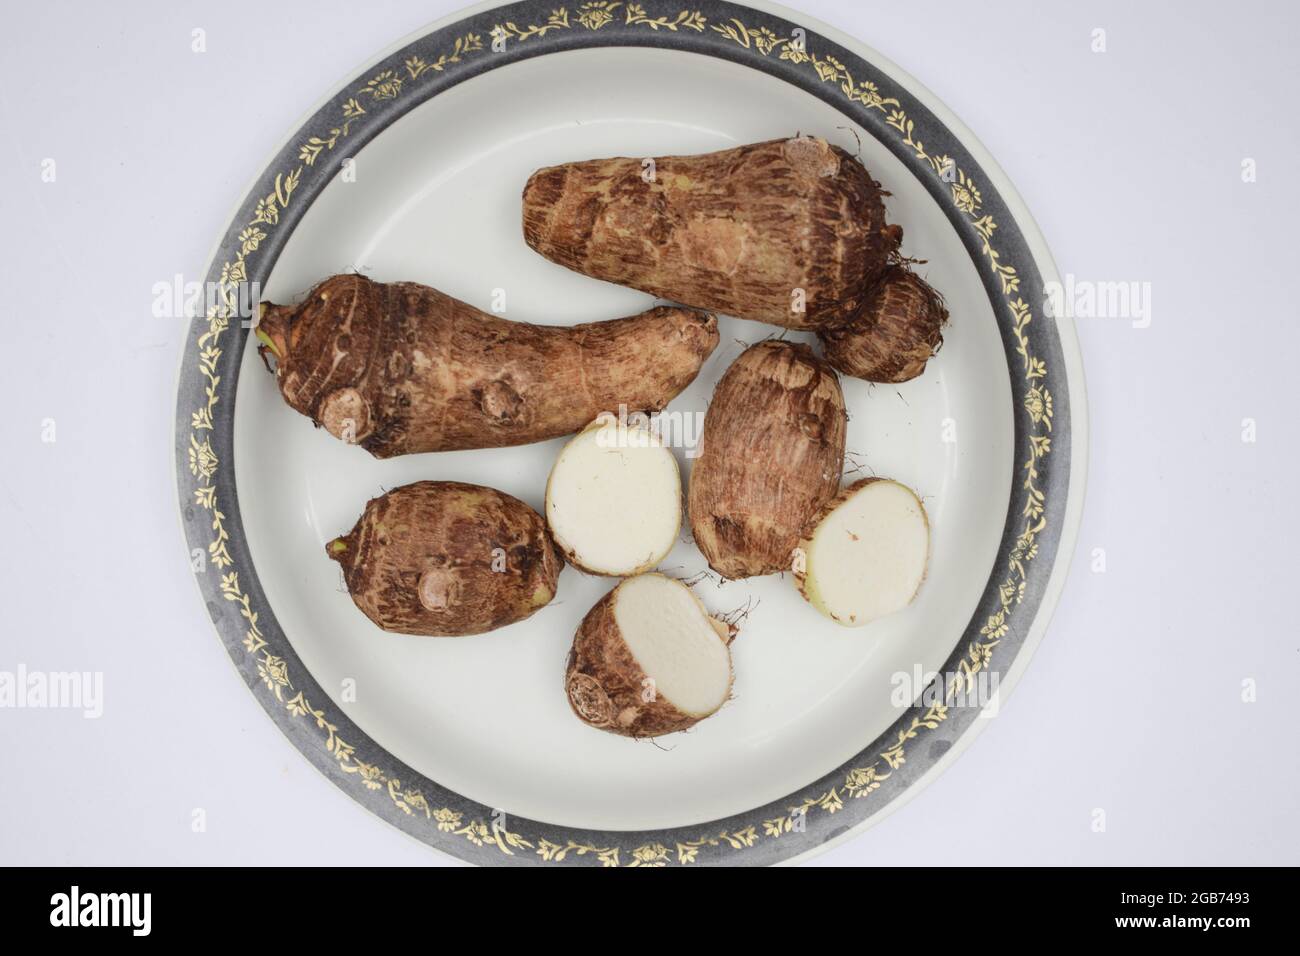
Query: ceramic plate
[(413, 170)]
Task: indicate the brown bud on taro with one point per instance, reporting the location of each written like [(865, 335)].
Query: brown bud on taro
[(898, 329)]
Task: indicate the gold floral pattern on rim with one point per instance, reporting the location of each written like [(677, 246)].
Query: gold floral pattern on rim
[(273, 671)]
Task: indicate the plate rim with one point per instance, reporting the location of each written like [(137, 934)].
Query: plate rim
[(468, 842)]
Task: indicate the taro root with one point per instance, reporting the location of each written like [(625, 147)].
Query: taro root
[(864, 554), (444, 558), (790, 232), (401, 368), (614, 499), (899, 328), (648, 659), (772, 455)]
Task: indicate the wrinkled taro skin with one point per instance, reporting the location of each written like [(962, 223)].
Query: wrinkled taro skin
[(898, 330), (791, 232), (486, 557), (772, 455), (401, 368)]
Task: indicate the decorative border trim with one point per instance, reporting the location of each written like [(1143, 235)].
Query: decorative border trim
[(424, 68)]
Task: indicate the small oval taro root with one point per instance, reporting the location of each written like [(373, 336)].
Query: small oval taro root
[(864, 555), (773, 453), (789, 231), (648, 659), (614, 499), (898, 330), (401, 368), (444, 558)]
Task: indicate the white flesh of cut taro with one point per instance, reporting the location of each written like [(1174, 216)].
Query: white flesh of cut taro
[(867, 555), (678, 645), (614, 499)]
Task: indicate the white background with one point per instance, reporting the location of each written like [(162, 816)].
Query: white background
[(1131, 162)]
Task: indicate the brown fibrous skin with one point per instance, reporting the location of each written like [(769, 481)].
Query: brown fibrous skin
[(898, 330), (772, 455), (443, 558), (606, 686), (737, 231), (401, 368)]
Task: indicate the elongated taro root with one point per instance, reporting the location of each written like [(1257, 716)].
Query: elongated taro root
[(648, 659), (864, 554), (444, 558), (897, 331), (789, 231), (400, 368), (773, 452), (614, 499)]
